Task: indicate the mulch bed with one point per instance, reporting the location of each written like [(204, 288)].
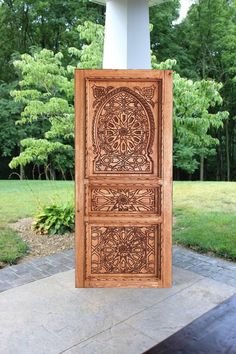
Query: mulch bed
[(41, 245)]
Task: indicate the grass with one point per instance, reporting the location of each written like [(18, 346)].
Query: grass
[(19, 199), (11, 246), (204, 213)]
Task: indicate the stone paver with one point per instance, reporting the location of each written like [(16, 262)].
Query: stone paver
[(210, 267), (50, 316), (36, 269)]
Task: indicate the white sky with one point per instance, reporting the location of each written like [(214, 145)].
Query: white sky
[(185, 5)]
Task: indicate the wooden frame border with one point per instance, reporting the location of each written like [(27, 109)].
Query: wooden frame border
[(166, 114)]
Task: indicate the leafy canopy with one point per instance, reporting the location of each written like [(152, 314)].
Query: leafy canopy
[(46, 90)]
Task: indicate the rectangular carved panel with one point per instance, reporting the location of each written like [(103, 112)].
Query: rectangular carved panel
[(123, 249), (123, 178), (111, 199)]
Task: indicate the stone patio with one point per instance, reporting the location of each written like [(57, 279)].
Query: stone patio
[(51, 316), (211, 267)]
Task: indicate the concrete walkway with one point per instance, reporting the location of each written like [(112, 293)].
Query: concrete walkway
[(51, 316)]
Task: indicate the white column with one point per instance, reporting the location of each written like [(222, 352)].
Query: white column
[(127, 35)]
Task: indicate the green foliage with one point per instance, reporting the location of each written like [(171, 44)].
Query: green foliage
[(207, 41), (40, 151), (208, 34), (55, 219), (90, 57), (10, 113), (12, 247), (163, 41), (46, 91), (204, 46), (192, 118), (41, 24)]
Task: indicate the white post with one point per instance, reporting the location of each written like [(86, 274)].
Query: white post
[(127, 36)]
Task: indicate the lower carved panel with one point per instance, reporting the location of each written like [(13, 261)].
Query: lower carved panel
[(124, 250)]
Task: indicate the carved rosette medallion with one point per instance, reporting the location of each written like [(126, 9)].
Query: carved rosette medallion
[(123, 131), (123, 250), (134, 200)]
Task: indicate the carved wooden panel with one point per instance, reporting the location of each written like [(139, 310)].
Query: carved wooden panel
[(122, 249), (123, 178), (111, 199), (123, 131)]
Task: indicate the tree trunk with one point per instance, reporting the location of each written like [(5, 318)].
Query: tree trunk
[(52, 173), (227, 149), (46, 172), (22, 172), (39, 173), (202, 168), (217, 164), (221, 163)]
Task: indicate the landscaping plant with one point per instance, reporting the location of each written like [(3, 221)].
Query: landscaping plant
[(55, 219)]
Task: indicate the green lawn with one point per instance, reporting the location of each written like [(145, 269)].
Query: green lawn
[(22, 198), (19, 199), (205, 213)]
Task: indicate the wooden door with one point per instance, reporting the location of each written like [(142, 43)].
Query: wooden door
[(123, 178)]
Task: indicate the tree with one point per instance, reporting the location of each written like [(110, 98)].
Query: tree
[(192, 119), (27, 27), (46, 91), (163, 42), (207, 38), (41, 24), (10, 110)]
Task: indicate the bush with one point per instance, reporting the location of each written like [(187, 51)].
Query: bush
[(54, 219)]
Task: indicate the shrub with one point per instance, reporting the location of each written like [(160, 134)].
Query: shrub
[(55, 219)]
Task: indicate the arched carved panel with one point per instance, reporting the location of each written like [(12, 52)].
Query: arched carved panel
[(123, 132)]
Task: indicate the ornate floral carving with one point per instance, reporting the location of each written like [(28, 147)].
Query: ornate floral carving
[(99, 92), (123, 133), (147, 93), (123, 250), (125, 200)]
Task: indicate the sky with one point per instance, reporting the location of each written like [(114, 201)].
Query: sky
[(185, 5)]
